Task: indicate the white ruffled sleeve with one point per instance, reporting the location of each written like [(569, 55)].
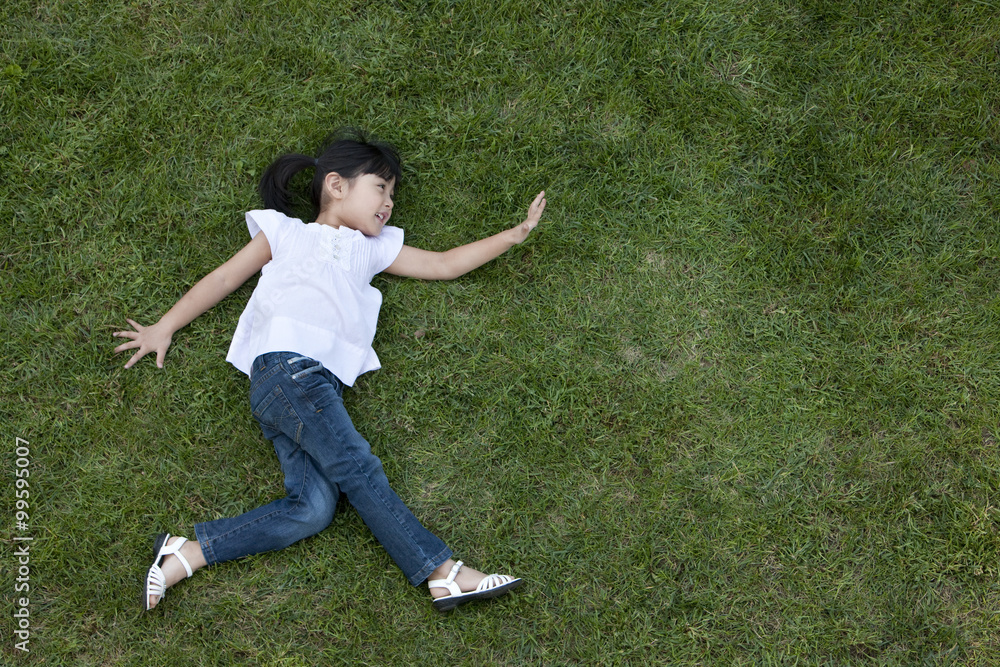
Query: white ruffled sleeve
[(274, 224), (385, 248)]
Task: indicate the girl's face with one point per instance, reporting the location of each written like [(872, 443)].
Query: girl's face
[(366, 203)]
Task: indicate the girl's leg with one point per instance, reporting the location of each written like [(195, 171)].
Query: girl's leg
[(304, 401), (306, 510), (297, 396)]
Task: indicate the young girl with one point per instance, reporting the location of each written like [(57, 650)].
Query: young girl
[(306, 334)]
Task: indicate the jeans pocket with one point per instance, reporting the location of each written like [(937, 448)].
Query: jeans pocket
[(275, 411)]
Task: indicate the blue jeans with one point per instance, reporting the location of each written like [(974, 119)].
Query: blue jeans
[(300, 408)]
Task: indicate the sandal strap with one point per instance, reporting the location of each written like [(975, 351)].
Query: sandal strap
[(448, 583), (493, 581), (156, 585), (156, 582), (175, 550)]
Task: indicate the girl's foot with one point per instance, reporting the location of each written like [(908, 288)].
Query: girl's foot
[(170, 565), (453, 584), (467, 578)]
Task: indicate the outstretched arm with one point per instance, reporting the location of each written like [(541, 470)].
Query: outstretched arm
[(207, 292), (427, 265)]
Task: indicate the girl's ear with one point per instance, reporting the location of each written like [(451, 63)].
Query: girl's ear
[(334, 185)]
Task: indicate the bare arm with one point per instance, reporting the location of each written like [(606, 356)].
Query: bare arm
[(427, 265), (207, 292)]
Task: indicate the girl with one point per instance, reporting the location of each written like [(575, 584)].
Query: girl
[(306, 334)]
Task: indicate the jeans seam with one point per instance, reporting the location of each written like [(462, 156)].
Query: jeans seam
[(279, 395), (258, 379), (342, 442), (381, 498)]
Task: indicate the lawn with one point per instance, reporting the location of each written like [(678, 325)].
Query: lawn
[(733, 403)]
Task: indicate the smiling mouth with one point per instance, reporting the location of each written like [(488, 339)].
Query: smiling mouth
[(381, 217)]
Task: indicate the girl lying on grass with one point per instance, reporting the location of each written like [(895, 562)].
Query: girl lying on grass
[(306, 334)]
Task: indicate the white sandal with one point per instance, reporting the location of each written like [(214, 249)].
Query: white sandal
[(493, 585), (156, 581)]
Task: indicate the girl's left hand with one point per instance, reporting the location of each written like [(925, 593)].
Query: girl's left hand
[(534, 215), (155, 338)]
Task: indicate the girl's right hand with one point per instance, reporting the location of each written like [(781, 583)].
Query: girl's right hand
[(155, 338), (520, 233)]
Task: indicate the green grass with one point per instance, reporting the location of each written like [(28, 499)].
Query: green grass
[(735, 402)]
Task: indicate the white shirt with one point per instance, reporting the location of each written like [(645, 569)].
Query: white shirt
[(314, 297)]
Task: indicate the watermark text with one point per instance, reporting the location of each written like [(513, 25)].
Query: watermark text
[(22, 545)]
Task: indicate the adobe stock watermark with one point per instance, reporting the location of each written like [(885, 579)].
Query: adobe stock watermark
[(22, 543)]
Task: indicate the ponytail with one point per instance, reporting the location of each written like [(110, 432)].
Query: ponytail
[(349, 154), (273, 186)]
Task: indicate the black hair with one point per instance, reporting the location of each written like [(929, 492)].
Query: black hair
[(348, 152)]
